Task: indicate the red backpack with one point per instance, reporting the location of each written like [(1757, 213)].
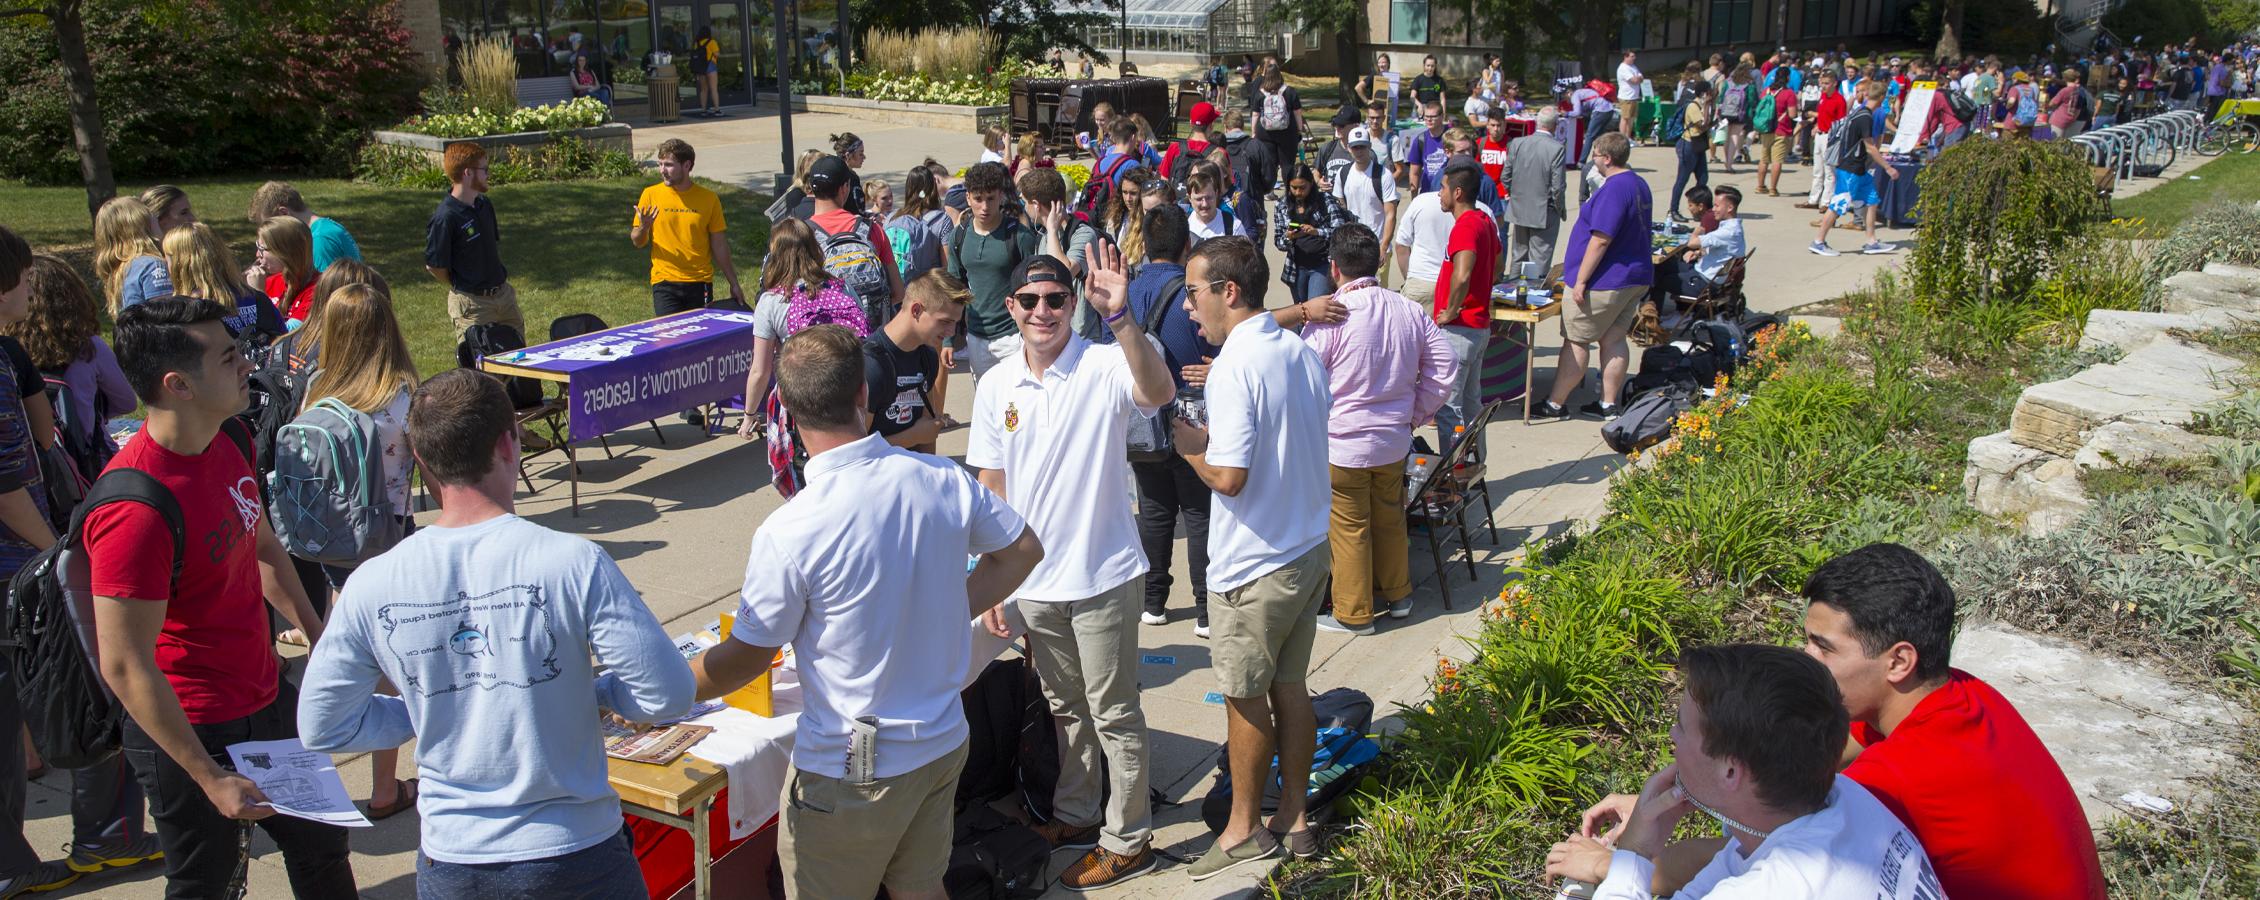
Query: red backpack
[(1099, 194), (1607, 89)]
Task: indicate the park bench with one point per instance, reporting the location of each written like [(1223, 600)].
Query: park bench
[(544, 91)]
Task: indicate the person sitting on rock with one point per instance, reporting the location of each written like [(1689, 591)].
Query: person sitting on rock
[(1942, 749), (1755, 748)]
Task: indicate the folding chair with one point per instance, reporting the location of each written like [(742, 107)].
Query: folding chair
[(573, 325), (549, 411), (1438, 498)]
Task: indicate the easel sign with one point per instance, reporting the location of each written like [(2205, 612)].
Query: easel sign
[(1916, 110)]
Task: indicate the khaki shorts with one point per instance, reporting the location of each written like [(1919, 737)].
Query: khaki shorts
[(845, 840), (1628, 111), (1421, 291), (1773, 149), (501, 305), (1262, 630), (1603, 312)]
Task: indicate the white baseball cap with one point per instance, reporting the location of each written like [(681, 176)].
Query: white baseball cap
[(1359, 137)]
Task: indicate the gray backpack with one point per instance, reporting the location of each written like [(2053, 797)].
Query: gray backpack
[(326, 493), (1647, 420)]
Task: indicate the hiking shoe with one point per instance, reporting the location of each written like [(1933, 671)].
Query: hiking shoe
[(1153, 618), (1329, 623), (1549, 410), (1063, 836), (1401, 609), (48, 876), (1606, 412), (1301, 844), (1821, 248), (1200, 630), (1104, 868), (1221, 859), (1877, 248), (694, 418), (118, 854)]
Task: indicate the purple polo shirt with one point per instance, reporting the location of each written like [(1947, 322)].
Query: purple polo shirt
[(1621, 210)]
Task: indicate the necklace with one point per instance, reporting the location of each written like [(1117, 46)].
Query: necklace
[(1681, 787)]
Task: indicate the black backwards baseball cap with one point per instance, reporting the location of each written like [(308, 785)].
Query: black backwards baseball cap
[(829, 172), (1040, 269)]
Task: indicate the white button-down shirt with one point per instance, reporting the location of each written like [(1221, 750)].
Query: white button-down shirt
[(1060, 439), (863, 573)]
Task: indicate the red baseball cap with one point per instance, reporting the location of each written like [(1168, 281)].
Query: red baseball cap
[(1203, 113)]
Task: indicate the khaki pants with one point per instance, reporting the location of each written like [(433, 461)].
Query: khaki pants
[(1086, 655), (480, 309), (1367, 534), (1421, 291), (1824, 170), (845, 840)]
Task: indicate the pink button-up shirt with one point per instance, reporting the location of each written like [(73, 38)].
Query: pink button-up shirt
[(1389, 367)]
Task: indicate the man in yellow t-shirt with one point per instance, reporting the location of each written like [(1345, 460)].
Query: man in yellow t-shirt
[(682, 224)]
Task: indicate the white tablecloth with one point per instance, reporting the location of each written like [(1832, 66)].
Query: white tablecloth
[(757, 752)]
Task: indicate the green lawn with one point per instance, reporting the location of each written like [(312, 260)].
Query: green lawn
[(2230, 178), (566, 243)]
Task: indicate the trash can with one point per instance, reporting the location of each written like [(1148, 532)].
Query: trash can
[(666, 97)]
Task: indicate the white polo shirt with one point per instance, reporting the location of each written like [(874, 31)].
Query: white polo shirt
[(1268, 402), (1060, 441), (863, 573)]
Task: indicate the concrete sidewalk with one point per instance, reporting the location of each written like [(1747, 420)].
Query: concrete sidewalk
[(679, 517)]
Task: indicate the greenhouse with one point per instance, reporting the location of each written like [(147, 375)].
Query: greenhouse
[(1201, 28)]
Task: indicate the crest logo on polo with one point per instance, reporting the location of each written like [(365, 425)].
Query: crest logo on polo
[(1011, 417), (505, 638)]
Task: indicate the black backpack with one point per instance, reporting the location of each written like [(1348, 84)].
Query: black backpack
[(496, 339), (74, 719), (1647, 419), (1960, 104), (1344, 715), (995, 858), (997, 704)]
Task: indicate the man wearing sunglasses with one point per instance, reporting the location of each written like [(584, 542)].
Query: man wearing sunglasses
[(1050, 426)]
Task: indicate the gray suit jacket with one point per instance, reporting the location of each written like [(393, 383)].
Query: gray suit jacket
[(1535, 181)]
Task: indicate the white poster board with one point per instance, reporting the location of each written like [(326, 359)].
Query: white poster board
[(1914, 112)]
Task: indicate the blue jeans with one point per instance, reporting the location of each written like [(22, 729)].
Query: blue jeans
[(1691, 162), (1311, 281), (600, 872), (1466, 399)]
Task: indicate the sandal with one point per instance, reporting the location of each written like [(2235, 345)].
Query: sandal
[(292, 636), (404, 800)]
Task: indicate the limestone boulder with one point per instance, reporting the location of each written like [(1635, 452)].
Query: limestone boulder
[(2009, 480), (2118, 444), (2197, 291), (2165, 381), (2129, 330), (2233, 270)]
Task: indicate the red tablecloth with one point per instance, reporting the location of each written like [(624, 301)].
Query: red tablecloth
[(663, 852)]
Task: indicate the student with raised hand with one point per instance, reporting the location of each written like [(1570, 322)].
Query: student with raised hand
[(1048, 436), (514, 799), (126, 257), (864, 573)]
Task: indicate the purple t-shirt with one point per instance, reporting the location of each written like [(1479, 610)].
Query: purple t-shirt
[(1621, 210)]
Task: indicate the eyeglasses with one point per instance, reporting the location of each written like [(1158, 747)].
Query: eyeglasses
[(1209, 286), (1054, 300), (259, 248)]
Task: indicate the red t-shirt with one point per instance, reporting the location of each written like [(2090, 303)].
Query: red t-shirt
[(1179, 150), (298, 306), (1493, 158), (1976, 786), (840, 221), (1831, 109), (216, 647), (1471, 231), (1785, 111)]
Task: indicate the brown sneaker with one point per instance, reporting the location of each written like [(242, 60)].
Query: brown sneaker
[(1069, 837), (1103, 868)]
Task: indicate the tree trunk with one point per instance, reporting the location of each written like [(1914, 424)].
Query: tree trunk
[(86, 117), (1597, 24), (1348, 63), (1950, 30)]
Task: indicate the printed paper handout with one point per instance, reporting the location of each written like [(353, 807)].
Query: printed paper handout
[(297, 781)]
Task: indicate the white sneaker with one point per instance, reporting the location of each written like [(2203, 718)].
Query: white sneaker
[(1877, 248), (1821, 248), (1153, 618), (1200, 631)]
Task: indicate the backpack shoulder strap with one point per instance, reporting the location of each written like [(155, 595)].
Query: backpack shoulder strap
[(240, 435), (130, 485), (1161, 302)]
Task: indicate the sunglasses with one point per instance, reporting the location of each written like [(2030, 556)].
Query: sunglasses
[(1056, 300)]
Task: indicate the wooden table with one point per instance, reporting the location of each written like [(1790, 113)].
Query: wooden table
[(1520, 324), (680, 794)]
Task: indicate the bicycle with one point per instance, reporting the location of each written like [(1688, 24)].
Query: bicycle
[(2233, 129)]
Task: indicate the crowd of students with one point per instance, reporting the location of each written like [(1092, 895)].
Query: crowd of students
[(1131, 375)]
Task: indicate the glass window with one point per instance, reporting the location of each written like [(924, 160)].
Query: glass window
[(1820, 18), (1730, 21), (1408, 21), (1635, 34)]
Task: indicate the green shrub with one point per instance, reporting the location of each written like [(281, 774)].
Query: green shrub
[(581, 112), (2222, 233), (562, 159), (1997, 219), (196, 92)]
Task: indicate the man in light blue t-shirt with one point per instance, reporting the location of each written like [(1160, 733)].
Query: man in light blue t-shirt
[(487, 623), (331, 241)]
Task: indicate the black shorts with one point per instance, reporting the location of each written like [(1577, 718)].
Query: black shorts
[(671, 297)]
